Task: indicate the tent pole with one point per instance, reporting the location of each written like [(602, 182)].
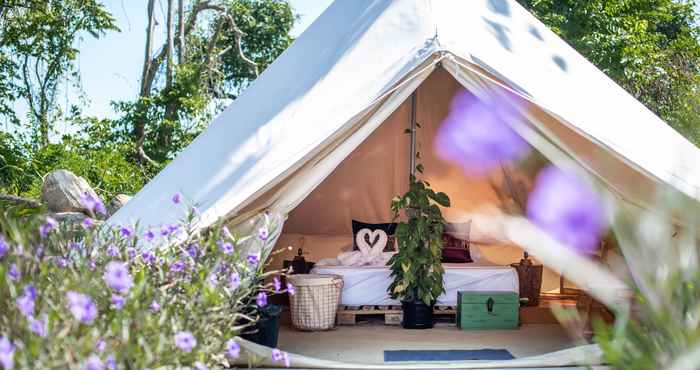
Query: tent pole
[(412, 160)]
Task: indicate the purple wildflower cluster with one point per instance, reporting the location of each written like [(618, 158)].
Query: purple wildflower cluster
[(26, 302)]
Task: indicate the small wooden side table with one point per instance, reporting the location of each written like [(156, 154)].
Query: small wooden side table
[(530, 278)]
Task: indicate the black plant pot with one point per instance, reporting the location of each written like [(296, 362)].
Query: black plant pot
[(266, 330), (417, 315)]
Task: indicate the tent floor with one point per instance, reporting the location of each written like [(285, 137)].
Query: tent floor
[(365, 343)]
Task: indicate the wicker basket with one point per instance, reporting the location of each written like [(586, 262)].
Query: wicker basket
[(316, 300)]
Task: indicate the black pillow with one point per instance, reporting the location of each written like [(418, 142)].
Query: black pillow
[(389, 229)]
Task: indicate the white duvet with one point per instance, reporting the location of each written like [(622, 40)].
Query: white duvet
[(367, 285)]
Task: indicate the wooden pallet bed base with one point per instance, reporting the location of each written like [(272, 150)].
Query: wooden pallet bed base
[(393, 315)]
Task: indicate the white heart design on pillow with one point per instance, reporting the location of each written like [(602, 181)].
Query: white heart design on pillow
[(378, 238)]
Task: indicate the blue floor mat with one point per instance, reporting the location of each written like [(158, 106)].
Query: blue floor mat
[(447, 355)]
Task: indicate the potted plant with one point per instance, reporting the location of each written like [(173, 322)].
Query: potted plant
[(416, 268)]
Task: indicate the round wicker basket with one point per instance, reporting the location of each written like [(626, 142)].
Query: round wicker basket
[(315, 303)]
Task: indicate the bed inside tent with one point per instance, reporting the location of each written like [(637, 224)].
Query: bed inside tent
[(361, 188)]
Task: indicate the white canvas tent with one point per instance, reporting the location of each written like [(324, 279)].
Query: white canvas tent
[(356, 64)]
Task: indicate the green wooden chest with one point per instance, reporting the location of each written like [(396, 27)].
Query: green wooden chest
[(487, 310)]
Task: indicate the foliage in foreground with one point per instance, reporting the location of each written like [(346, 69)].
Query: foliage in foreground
[(84, 296)]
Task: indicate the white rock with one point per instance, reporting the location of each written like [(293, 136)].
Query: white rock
[(62, 191), (117, 202)]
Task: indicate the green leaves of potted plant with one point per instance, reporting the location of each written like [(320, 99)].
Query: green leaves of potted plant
[(416, 268)]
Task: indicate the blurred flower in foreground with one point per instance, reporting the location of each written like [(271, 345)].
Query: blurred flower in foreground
[(200, 366), (3, 246), (477, 134), (185, 341), (155, 306), (567, 208)]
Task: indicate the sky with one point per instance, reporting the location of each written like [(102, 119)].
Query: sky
[(110, 67)]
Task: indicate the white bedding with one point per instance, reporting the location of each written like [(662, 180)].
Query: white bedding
[(367, 285)]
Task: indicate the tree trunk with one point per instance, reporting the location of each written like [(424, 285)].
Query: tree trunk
[(146, 83)]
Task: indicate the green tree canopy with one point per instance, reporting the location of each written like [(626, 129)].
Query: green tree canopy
[(649, 47)]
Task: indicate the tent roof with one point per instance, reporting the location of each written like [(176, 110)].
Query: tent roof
[(354, 55)]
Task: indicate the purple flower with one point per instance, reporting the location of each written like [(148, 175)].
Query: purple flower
[(263, 233), (253, 259), (200, 366), (82, 307), (93, 204), (14, 272), (111, 362), (113, 250), (177, 198), (192, 250), (39, 326), (177, 266), (234, 281), (185, 341), (261, 299), (117, 276), (30, 291), (278, 356), (149, 235), (225, 247), (47, 227), (118, 301), (25, 304), (155, 307), (100, 346), (88, 223), (233, 349), (164, 230), (126, 232), (477, 133), (92, 265), (148, 257), (290, 289), (94, 363), (173, 229), (7, 353), (3, 247), (61, 262), (277, 284), (74, 246), (131, 252), (567, 208)]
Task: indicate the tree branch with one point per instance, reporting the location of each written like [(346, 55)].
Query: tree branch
[(31, 203)]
